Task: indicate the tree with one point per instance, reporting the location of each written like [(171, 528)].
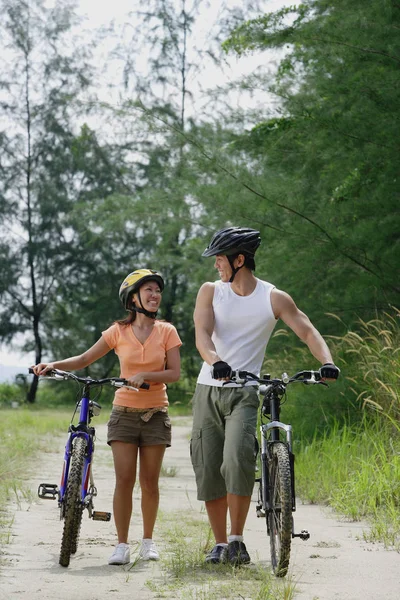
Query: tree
[(328, 161), (48, 164)]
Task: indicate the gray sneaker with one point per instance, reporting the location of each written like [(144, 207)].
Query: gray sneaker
[(237, 554), (217, 555)]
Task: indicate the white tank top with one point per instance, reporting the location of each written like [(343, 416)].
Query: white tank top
[(242, 328)]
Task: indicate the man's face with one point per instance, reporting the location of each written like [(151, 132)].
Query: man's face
[(223, 267)]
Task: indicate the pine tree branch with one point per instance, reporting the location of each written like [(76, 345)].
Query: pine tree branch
[(24, 308), (252, 190), (367, 50)]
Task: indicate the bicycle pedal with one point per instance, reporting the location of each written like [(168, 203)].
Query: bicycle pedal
[(303, 535), (260, 512), (98, 515), (49, 491)]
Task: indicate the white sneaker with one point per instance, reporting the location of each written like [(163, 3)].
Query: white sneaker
[(148, 550), (120, 556)]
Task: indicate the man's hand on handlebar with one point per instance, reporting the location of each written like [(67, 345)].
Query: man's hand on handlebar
[(221, 370), (329, 371)]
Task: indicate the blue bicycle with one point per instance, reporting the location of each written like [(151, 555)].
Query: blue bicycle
[(77, 489)]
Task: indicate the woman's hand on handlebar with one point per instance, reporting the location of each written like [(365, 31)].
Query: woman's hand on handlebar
[(136, 381), (42, 368)]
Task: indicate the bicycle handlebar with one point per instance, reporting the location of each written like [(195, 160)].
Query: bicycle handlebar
[(307, 377), (114, 381)]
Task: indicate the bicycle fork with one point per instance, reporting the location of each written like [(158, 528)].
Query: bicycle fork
[(263, 508), (88, 489)]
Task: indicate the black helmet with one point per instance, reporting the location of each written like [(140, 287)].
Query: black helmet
[(234, 240)]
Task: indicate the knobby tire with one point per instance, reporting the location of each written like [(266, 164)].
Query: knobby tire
[(279, 518), (73, 507)]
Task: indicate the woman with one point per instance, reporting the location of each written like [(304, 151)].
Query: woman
[(148, 351)]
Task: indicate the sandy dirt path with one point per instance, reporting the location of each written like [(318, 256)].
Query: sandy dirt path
[(335, 564)]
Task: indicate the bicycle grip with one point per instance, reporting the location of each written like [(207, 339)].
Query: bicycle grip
[(48, 374), (145, 386)]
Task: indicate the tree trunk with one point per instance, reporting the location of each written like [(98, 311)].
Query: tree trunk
[(31, 395)]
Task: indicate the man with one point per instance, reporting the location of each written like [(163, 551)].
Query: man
[(234, 319)]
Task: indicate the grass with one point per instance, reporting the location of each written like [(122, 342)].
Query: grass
[(168, 471), (186, 576), (356, 470), (354, 463), (20, 430), (347, 437)]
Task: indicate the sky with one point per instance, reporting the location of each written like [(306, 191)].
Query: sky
[(102, 13)]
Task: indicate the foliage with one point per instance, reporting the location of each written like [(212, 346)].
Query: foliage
[(374, 350), (317, 175), (52, 165), (353, 463), (11, 392), (327, 162)]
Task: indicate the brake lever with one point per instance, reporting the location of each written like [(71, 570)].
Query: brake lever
[(236, 379)]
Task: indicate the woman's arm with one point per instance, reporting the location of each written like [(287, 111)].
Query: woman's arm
[(170, 374), (75, 363)]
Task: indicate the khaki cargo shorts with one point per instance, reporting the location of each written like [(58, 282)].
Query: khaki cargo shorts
[(224, 445), (131, 428)]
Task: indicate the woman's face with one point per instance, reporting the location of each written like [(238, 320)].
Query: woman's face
[(150, 295)]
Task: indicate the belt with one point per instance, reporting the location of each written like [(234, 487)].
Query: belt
[(147, 413)]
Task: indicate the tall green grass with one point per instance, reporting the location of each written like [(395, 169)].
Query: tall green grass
[(371, 357), (352, 460), (356, 470)]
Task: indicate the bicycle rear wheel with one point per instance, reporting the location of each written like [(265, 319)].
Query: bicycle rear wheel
[(279, 516), (73, 506)]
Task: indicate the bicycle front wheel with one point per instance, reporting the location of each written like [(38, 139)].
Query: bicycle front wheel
[(73, 506), (279, 516)]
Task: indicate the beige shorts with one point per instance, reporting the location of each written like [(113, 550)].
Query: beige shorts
[(129, 427)]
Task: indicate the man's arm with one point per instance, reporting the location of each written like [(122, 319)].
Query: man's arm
[(204, 324), (284, 308)]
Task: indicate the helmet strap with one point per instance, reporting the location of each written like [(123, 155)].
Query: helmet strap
[(234, 269), (143, 311)]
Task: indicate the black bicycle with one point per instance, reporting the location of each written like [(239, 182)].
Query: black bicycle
[(276, 492), (77, 489)]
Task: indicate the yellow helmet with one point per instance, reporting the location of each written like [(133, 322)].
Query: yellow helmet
[(133, 281)]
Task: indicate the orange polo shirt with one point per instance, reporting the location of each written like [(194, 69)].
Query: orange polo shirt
[(135, 357)]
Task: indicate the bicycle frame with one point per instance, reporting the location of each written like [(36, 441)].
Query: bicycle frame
[(82, 430)]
